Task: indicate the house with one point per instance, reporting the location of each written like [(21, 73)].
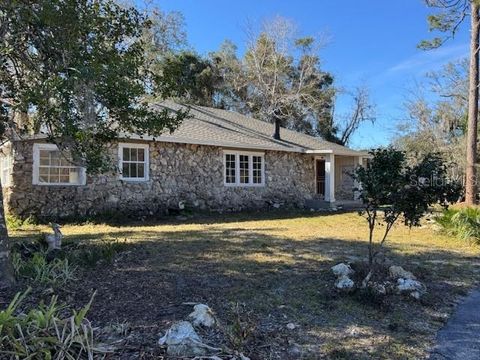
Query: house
[(216, 160)]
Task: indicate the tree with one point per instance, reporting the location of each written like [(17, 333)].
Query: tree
[(341, 128), (450, 16), (279, 78), (191, 77), (76, 69), (391, 189), (438, 121)]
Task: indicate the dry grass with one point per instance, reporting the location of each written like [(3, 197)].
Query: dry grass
[(278, 265)]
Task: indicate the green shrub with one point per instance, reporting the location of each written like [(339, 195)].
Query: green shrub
[(463, 223), (41, 271), (43, 333), (14, 222), (105, 250)]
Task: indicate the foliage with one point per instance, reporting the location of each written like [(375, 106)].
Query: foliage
[(91, 254), (438, 120), (39, 270), (188, 76), (14, 222), (391, 189), (462, 223), (44, 333), (447, 19), (78, 70)]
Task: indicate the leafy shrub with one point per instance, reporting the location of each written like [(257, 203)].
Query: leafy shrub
[(43, 333), (14, 222), (41, 271), (90, 255), (463, 223)]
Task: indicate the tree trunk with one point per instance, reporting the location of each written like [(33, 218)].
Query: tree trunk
[(6, 269), (470, 174)]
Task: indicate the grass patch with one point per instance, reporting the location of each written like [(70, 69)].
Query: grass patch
[(277, 265)]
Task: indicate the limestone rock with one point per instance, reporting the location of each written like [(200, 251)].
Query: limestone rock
[(182, 340), (344, 283), (414, 287), (397, 272), (202, 315), (342, 269)]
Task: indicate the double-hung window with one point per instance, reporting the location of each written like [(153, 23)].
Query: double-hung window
[(54, 167), (244, 169), (133, 161), (5, 167)]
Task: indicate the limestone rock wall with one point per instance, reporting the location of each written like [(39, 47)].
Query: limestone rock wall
[(178, 172)]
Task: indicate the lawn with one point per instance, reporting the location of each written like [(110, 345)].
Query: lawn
[(260, 272)]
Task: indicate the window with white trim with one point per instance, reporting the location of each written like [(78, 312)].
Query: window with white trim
[(5, 168), (133, 161), (54, 167), (244, 169)]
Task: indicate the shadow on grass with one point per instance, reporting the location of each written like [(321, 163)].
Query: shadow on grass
[(280, 279)]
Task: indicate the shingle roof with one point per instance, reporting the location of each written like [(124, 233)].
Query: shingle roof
[(210, 126)]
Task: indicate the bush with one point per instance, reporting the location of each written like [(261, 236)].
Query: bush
[(463, 223), (43, 333), (89, 255), (41, 271)]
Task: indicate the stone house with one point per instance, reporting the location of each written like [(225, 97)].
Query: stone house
[(216, 160)]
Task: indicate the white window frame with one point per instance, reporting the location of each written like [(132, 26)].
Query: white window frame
[(146, 147), (237, 154), (36, 167), (6, 166)]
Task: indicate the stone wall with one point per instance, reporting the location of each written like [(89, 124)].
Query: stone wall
[(344, 184), (178, 172)]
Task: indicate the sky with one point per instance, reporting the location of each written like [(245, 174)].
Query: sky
[(371, 42)]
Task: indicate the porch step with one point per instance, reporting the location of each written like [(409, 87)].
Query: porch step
[(317, 204)]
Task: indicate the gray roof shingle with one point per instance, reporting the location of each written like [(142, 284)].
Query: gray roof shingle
[(210, 126)]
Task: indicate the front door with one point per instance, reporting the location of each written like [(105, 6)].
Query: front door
[(320, 177)]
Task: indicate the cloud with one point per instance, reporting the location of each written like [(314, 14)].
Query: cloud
[(429, 60)]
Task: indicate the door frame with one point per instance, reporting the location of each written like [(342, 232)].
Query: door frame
[(317, 159)]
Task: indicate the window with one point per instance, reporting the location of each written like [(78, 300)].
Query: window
[(53, 167), (230, 169), (5, 168), (133, 162), (244, 169)]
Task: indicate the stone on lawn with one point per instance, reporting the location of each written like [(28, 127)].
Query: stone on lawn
[(344, 283), (202, 315), (182, 340), (342, 269), (414, 287), (397, 272)]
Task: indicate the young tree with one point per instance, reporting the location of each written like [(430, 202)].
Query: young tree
[(77, 69), (450, 16), (391, 189)]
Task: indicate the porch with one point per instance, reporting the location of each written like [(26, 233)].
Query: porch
[(334, 184)]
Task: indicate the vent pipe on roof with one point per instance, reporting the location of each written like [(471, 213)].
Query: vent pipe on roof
[(276, 134)]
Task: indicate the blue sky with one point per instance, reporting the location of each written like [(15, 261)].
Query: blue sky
[(372, 42)]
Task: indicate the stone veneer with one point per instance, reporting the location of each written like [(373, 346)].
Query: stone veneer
[(178, 172)]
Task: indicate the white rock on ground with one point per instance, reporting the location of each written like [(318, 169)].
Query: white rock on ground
[(182, 340), (397, 272), (414, 287), (342, 269), (344, 283), (202, 315)]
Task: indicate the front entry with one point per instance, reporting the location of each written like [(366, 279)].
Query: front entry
[(320, 177)]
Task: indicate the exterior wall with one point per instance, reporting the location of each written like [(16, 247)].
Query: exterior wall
[(178, 172), (344, 183)]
